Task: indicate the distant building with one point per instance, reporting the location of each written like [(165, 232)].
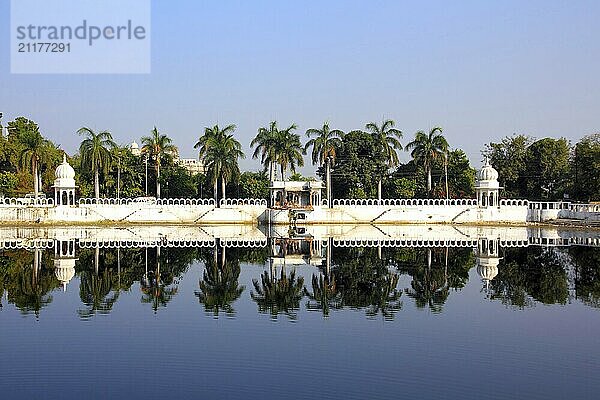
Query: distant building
[(135, 149), (191, 164)]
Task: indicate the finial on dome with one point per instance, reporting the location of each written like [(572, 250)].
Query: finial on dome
[(64, 157)]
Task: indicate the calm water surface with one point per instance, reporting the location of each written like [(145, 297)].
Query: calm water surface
[(301, 317)]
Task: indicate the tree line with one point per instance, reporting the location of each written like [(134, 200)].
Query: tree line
[(361, 163)]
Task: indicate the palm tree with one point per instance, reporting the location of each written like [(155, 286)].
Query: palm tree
[(95, 152), (35, 151), (387, 140), (265, 142), (427, 147), (220, 152), (158, 147), (288, 150), (325, 145)]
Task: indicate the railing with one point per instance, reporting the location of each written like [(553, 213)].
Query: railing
[(186, 202), (27, 201), (590, 208), (514, 202), (404, 202), (243, 202), (547, 205), (147, 201)]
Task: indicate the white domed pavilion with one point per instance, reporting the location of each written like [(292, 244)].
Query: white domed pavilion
[(487, 186), (64, 184)]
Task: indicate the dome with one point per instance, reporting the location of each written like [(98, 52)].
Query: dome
[(487, 173), (135, 148), (64, 170)]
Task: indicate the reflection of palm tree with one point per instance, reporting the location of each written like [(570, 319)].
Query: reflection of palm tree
[(324, 295), (97, 293), (29, 285), (278, 295), (363, 281), (156, 292), (429, 286), (219, 287)]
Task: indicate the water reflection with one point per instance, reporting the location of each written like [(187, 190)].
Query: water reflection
[(321, 269), (219, 286)]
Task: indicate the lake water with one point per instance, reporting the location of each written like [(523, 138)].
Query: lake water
[(322, 313)]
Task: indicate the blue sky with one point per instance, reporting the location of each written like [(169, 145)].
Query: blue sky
[(481, 70)]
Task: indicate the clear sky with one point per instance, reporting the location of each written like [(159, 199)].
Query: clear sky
[(480, 69)]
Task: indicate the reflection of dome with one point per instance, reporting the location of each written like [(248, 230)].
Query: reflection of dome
[(487, 272), (64, 270), (64, 170), (487, 173)]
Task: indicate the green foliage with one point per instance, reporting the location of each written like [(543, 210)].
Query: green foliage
[(220, 151), (359, 166), (546, 169), (8, 184), (254, 185), (531, 272), (537, 170), (278, 147), (399, 188), (364, 282), (179, 183), (325, 144), (586, 168)]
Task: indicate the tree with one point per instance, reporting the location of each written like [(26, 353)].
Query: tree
[(96, 154), (426, 148), (325, 145), (265, 146), (220, 151), (158, 147), (547, 169), (358, 167), (509, 158), (254, 185), (288, 150), (386, 139), (34, 148), (586, 168)]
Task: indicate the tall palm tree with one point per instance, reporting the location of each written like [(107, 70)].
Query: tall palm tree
[(427, 147), (288, 150), (95, 152), (325, 144), (387, 140), (220, 152), (265, 143), (158, 147), (35, 151)]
